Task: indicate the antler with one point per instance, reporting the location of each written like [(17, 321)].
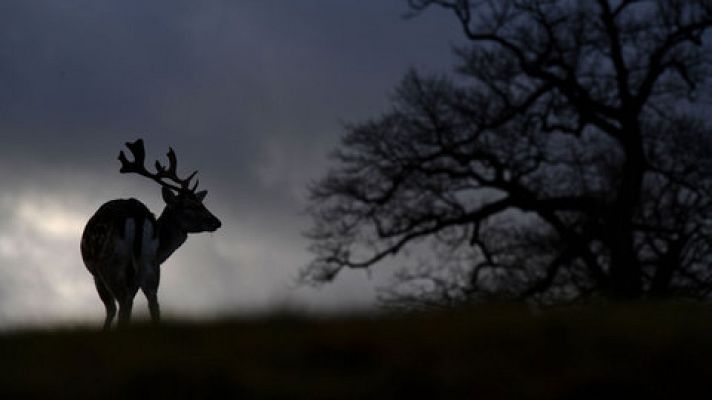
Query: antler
[(162, 173)]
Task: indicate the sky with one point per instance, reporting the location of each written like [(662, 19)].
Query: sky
[(252, 93)]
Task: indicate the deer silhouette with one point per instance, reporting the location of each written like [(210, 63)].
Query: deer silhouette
[(123, 244)]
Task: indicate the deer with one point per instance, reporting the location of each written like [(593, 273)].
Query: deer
[(123, 244)]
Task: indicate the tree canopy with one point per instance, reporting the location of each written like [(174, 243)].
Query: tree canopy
[(567, 158)]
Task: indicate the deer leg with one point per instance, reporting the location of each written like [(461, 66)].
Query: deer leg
[(149, 287), (153, 307), (125, 306), (118, 277), (108, 301)]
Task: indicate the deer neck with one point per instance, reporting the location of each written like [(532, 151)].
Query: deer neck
[(171, 235)]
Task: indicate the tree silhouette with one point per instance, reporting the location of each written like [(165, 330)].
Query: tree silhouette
[(567, 159)]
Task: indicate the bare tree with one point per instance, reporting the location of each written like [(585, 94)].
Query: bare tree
[(568, 158)]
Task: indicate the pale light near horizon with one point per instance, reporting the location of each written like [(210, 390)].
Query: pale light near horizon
[(50, 219)]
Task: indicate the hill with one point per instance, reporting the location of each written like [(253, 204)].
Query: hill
[(493, 352)]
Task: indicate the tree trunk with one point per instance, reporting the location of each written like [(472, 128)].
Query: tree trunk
[(625, 270)]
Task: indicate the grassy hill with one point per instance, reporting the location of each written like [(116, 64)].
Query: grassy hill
[(653, 351)]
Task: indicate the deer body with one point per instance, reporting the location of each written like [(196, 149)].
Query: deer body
[(123, 244)]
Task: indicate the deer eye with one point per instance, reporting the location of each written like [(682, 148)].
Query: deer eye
[(193, 209), (189, 210)]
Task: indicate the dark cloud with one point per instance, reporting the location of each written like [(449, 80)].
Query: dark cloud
[(253, 93)]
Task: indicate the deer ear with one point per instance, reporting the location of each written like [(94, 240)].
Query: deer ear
[(168, 195), (201, 195)]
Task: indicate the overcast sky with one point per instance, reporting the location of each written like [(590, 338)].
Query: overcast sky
[(253, 93)]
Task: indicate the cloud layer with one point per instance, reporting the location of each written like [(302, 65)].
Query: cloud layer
[(253, 94)]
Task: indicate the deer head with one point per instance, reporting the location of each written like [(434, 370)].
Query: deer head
[(184, 206)]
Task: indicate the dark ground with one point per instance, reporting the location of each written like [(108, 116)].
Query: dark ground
[(637, 351)]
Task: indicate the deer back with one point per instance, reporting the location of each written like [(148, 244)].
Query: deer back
[(119, 228)]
